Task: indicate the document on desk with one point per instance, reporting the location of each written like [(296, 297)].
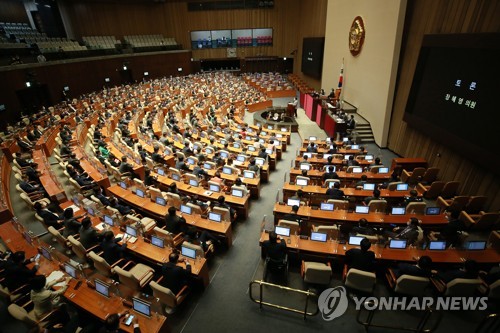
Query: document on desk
[(74, 207), (56, 275)]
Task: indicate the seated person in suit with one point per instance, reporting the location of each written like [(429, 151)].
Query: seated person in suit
[(352, 162), (299, 195), (254, 167), (375, 196), (112, 252), (470, 270), (293, 216), (50, 218), (221, 202), (262, 153), (88, 235), (421, 269), (273, 249), (127, 167), (180, 165), (198, 170), (361, 182), (156, 156), (173, 223), (361, 258), (451, 231), (412, 198), (123, 209), (335, 192), (330, 174), (363, 228), (311, 148), (71, 225), (99, 195), (175, 277), (29, 188), (410, 232), (239, 183), (16, 272)]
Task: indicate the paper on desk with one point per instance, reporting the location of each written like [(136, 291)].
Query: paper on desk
[(74, 207), (56, 275)]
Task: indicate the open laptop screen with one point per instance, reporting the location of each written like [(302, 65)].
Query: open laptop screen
[(214, 217), (437, 245), (282, 231), (157, 241), (383, 170), (318, 236), (362, 209), (293, 202), (186, 209), (327, 206), (397, 244), (355, 240), (70, 270), (301, 182), (142, 307), (101, 287), (188, 252), (161, 201), (475, 245), (398, 211), (432, 211), (402, 187), (368, 186)]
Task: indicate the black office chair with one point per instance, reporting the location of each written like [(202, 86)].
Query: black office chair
[(277, 267)]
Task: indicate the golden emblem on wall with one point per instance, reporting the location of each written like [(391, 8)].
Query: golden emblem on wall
[(356, 36)]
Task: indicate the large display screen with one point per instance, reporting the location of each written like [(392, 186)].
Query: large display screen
[(208, 39), (312, 56), (453, 98)]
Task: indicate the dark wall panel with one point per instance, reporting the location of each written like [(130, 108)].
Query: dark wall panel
[(13, 11)]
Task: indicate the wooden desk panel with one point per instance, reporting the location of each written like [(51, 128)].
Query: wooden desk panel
[(53, 188)]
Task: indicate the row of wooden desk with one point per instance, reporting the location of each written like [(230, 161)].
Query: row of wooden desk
[(85, 297), (333, 249)]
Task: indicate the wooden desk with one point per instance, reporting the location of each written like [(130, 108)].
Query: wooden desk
[(240, 204), (332, 249), (49, 183), (320, 162), (345, 177), (343, 216), (158, 211)]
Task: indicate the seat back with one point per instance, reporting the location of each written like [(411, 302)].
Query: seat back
[(154, 193), (167, 236), (241, 188), (375, 168), (360, 280), (77, 248), (294, 226), (434, 190), (411, 285), (165, 295), (127, 278), (57, 235), (416, 208), (226, 214), (430, 175), (339, 204), (329, 182), (26, 199), (462, 287), (174, 200), (450, 189), (392, 186), (97, 201), (475, 204), (494, 290), (377, 206), (486, 221), (317, 272), (139, 184), (21, 314), (412, 177), (100, 264), (331, 230), (195, 208)]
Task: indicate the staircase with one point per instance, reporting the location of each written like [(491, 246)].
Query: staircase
[(363, 133)]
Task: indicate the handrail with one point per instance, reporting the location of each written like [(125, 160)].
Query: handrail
[(420, 326), (307, 294)]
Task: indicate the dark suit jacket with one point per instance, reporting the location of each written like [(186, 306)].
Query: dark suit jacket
[(71, 227), (175, 277), (173, 224), (88, 237), (102, 198), (17, 275), (356, 258), (276, 251), (112, 251), (408, 269), (49, 218), (335, 193)]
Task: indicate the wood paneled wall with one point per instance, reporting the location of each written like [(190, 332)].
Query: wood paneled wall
[(291, 20), (442, 16), (86, 75), (13, 11)]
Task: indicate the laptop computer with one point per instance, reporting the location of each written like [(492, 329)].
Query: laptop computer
[(397, 244), (214, 217), (355, 147), (101, 288), (193, 182), (224, 154), (157, 241), (131, 231), (108, 220), (368, 187), (402, 187), (161, 172), (325, 156), (309, 155), (318, 236), (251, 148), (139, 193), (269, 151), (241, 158), (398, 211), (475, 245), (301, 182), (90, 211), (214, 188), (248, 174), (141, 307), (190, 161), (259, 161), (362, 209), (227, 170), (123, 185), (346, 157), (437, 245), (355, 240), (282, 231), (368, 157), (70, 270), (186, 209), (161, 201), (327, 206), (293, 202), (46, 253), (176, 177), (357, 170), (432, 211), (383, 170), (313, 138), (237, 193), (305, 166), (188, 252)]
